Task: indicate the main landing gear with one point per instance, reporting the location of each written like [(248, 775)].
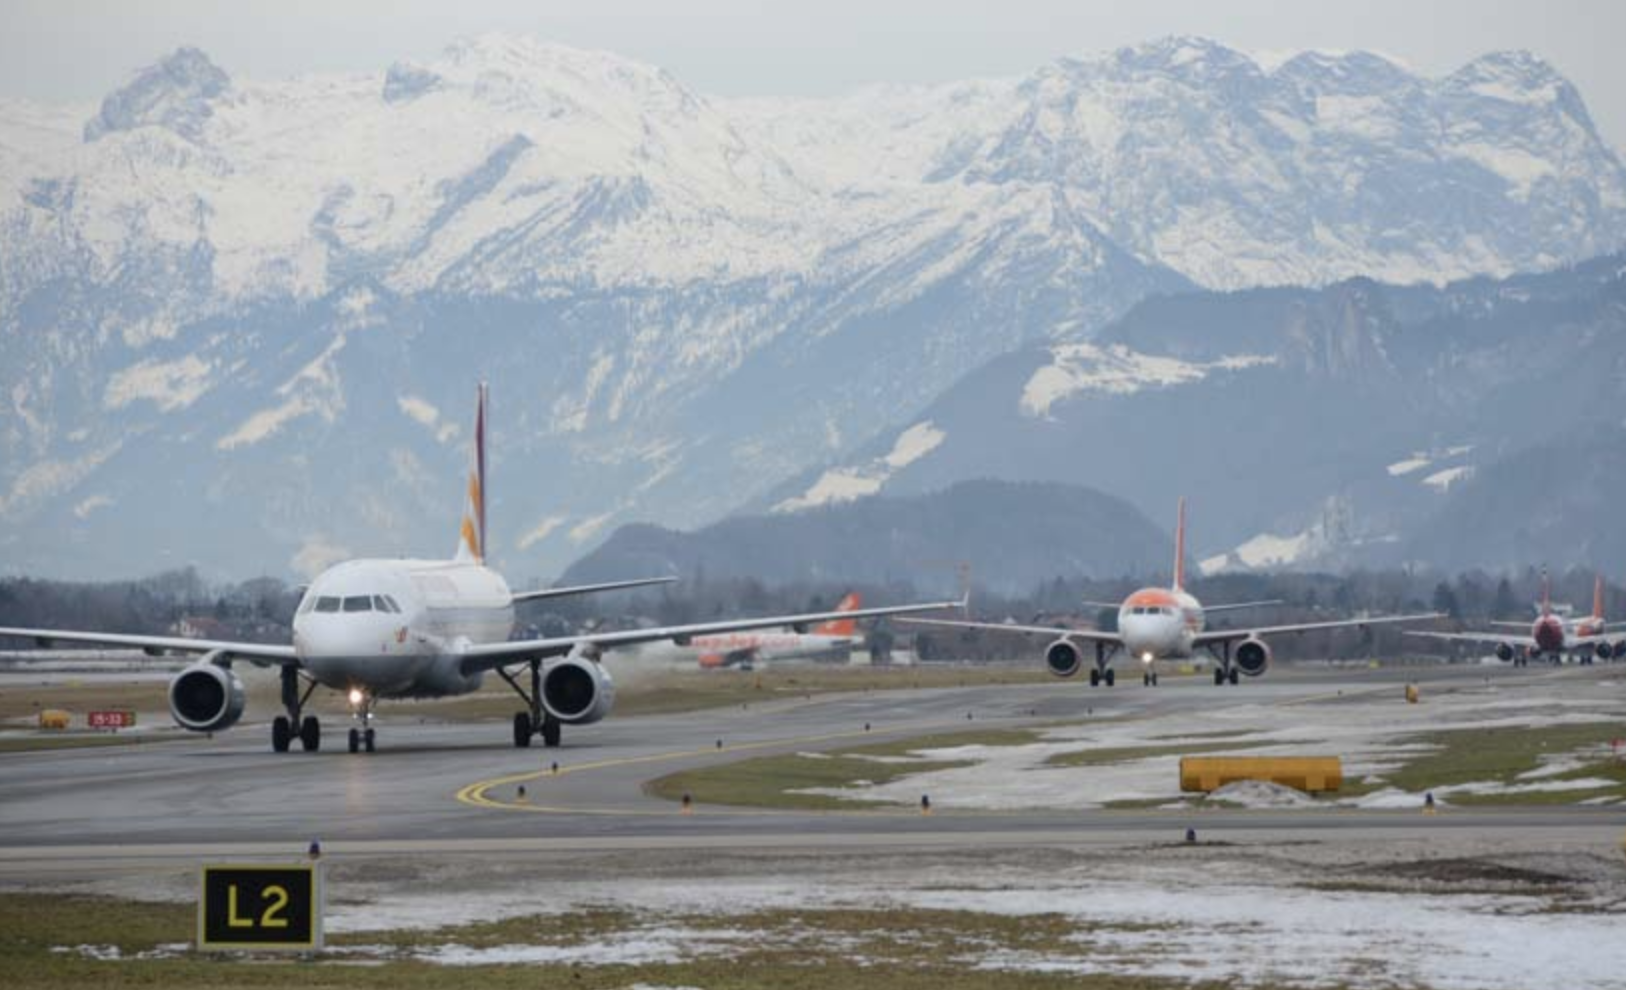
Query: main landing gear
[(362, 736), (286, 728), (1224, 672), (534, 721), (1149, 678)]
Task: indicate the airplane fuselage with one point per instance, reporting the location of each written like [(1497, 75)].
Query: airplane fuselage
[(1160, 624), (395, 628)]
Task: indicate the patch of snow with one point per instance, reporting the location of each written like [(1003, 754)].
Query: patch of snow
[(1266, 550), (1116, 370), (422, 412), (1414, 463), (90, 505), (170, 385), (541, 531), (1261, 794), (849, 484), (588, 528), (1441, 481)]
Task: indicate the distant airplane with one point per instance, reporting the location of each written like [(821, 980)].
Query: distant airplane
[(1167, 624), (379, 629), (745, 650), (1551, 634)]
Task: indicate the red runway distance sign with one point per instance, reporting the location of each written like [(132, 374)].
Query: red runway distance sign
[(111, 720)]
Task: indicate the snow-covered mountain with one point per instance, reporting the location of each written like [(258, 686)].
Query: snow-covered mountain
[(1475, 424), (242, 319)]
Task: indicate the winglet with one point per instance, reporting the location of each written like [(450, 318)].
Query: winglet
[(1180, 546), (471, 543)]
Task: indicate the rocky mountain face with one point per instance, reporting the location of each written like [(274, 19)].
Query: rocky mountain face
[(1475, 424), (1015, 536), (243, 320)]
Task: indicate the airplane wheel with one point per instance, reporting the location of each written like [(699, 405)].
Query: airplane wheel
[(1219, 676), (1146, 680), (355, 740), (1154, 679), (1095, 678), (551, 732), (1110, 678), (310, 734), (1233, 677), (522, 730), (368, 740), (281, 734)]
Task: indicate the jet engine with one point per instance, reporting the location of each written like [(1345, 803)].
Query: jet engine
[(577, 691), (1606, 650), (1252, 656), (1063, 658), (1504, 652), (206, 697)]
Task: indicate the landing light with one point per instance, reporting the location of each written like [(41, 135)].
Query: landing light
[(356, 696), (1146, 657)]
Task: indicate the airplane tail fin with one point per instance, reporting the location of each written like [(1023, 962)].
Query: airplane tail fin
[(1546, 593), (1180, 546), (471, 543), (1597, 597), (841, 627)]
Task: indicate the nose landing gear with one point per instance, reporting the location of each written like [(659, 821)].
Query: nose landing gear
[(362, 736)]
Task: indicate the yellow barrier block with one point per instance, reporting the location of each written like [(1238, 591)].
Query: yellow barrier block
[(1306, 773), (1412, 694), (54, 718)]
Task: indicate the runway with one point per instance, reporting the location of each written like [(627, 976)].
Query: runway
[(450, 788)]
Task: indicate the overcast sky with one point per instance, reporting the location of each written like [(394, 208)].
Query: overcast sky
[(78, 49)]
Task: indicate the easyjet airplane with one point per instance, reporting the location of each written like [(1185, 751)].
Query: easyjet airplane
[(1551, 635), (378, 629), (747, 649), (1167, 624)]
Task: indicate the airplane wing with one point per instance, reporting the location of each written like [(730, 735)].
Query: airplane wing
[(587, 589), (1233, 606), (1222, 635), (1087, 635), (1502, 624), (1485, 638), (488, 656), (158, 645)]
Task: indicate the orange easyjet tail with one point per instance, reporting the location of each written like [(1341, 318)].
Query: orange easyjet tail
[(1597, 597), (841, 627)]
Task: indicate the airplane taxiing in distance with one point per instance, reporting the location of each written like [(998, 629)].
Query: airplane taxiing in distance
[(746, 650), (1551, 635), (378, 629), (1167, 624)]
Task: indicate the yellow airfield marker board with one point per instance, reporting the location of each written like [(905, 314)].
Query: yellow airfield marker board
[(260, 906)]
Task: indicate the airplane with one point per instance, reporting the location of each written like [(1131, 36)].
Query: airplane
[(1551, 634), (1167, 624), (379, 629), (747, 649)]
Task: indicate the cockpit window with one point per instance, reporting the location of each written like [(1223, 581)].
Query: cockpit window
[(381, 604), (326, 604), (394, 606), (306, 605), (358, 603)]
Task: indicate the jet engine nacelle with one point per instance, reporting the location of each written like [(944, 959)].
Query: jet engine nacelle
[(206, 697), (1253, 656), (1504, 652), (1063, 658), (1605, 651), (577, 691)]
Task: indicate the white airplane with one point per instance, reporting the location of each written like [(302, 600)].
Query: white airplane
[(747, 649), (1167, 624), (378, 629), (1551, 634)]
